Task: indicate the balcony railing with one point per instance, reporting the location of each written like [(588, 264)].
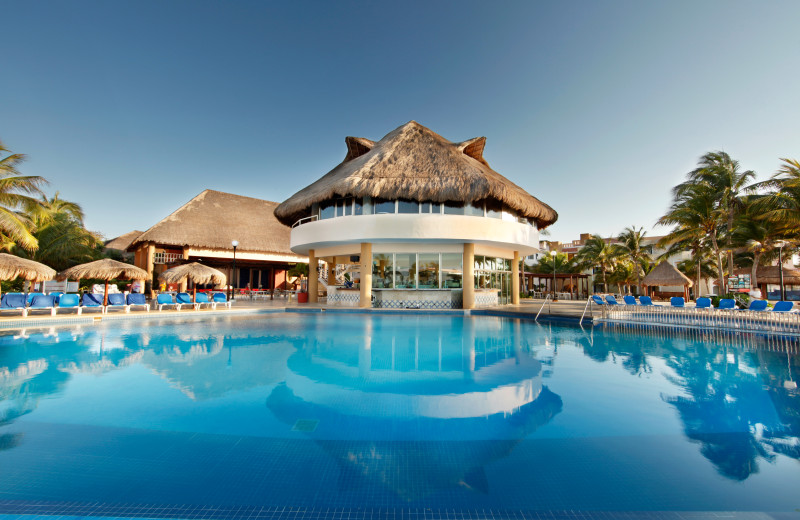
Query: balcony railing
[(166, 258)]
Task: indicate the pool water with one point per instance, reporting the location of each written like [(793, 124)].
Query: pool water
[(341, 411)]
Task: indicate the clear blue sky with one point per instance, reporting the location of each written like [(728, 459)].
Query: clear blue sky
[(597, 108)]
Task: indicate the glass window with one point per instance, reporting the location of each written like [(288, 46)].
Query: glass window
[(494, 209), (326, 210), (406, 271), (382, 270), (451, 270), (505, 262), (479, 263), (425, 207), (474, 210), (358, 208), (383, 206), (407, 206), (347, 206), (428, 270), (436, 207), (453, 208)]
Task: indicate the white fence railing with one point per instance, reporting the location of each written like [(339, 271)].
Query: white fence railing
[(166, 258), (737, 320)]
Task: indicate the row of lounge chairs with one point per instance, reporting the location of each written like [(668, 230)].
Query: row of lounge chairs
[(93, 301), (701, 303)]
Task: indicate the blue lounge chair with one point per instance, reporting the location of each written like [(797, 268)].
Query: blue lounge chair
[(70, 301), (137, 300), (184, 298), (93, 301), (220, 298), (116, 301), (703, 303), (43, 302), (164, 300), (598, 300), (629, 300), (611, 300), (677, 301), (645, 300), (783, 306), (14, 302), (201, 299), (757, 305), (727, 304), (31, 295), (58, 296)]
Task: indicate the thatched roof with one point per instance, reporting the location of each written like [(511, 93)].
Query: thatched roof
[(413, 162), (771, 274), (122, 242), (13, 267), (213, 219), (196, 272), (666, 274), (105, 269)]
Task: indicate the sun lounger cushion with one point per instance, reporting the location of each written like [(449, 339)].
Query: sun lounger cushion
[(645, 300), (164, 299), (598, 300), (116, 299), (69, 300), (92, 300), (220, 297), (32, 295), (703, 303), (43, 301), (629, 300), (677, 301), (611, 300), (183, 298), (137, 299), (201, 298), (758, 305), (13, 301), (727, 303), (783, 306)]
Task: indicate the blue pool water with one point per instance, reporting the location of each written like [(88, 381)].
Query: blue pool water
[(336, 412)]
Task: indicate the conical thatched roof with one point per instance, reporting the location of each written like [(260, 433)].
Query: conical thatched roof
[(771, 274), (122, 242), (213, 219), (413, 162), (666, 274), (105, 269), (13, 267), (196, 272)]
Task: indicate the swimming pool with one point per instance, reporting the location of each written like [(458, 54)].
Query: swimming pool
[(414, 413)]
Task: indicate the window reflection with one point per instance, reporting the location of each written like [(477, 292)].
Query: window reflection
[(382, 270), (451, 271), (406, 271), (429, 270)]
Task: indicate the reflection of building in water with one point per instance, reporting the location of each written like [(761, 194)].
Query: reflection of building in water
[(416, 412)]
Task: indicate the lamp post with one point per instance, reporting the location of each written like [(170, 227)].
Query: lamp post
[(781, 244), (553, 255), (234, 243)]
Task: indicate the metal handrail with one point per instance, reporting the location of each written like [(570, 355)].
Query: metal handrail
[(549, 308), (589, 302), (310, 219)]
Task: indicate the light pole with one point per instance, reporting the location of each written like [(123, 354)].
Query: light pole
[(234, 243), (781, 244), (553, 255)]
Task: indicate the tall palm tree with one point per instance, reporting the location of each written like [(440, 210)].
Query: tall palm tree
[(597, 253), (783, 205), (16, 202), (756, 234), (631, 247)]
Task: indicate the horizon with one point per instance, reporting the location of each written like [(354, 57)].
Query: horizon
[(597, 110)]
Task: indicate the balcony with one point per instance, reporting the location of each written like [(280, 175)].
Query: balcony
[(166, 258)]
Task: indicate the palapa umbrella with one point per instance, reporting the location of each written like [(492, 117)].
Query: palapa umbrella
[(196, 272), (105, 269), (13, 267)]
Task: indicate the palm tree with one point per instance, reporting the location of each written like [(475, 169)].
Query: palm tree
[(784, 204), (757, 234), (16, 202), (597, 252), (704, 269), (625, 275), (630, 247)]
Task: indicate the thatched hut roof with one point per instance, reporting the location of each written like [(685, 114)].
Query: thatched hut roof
[(122, 242), (105, 269), (13, 267), (196, 272), (771, 274), (666, 274), (413, 162), (213, 219)]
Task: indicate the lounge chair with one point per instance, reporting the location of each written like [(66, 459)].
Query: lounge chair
[(137, 300), (70, 301), (31, 295), (184, 298), (201, 299), (93, 301), (165, 299), (727, 304), (783, 306), (645, 300), (757, 305), (703, 303), (43, 302), (218, 298), (629, 300), (611, 300), (598, 300), (116, 301), (677, 301), (14, 302)]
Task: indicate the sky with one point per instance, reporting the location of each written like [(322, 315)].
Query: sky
[(596, 108)]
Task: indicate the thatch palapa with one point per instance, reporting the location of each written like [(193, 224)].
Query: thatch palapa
[(196, 272), (123, 242), (105, 269), (413, 162), (666, 274), (13, 267)]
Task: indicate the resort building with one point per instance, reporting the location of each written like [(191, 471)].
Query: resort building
[(417, 221), (205, 230)]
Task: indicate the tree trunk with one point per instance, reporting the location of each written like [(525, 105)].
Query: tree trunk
[(753, 272), (720, 274), (699, 274), (605, 284)]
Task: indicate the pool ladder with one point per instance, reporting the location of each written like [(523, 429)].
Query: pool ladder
[(549, 307)]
